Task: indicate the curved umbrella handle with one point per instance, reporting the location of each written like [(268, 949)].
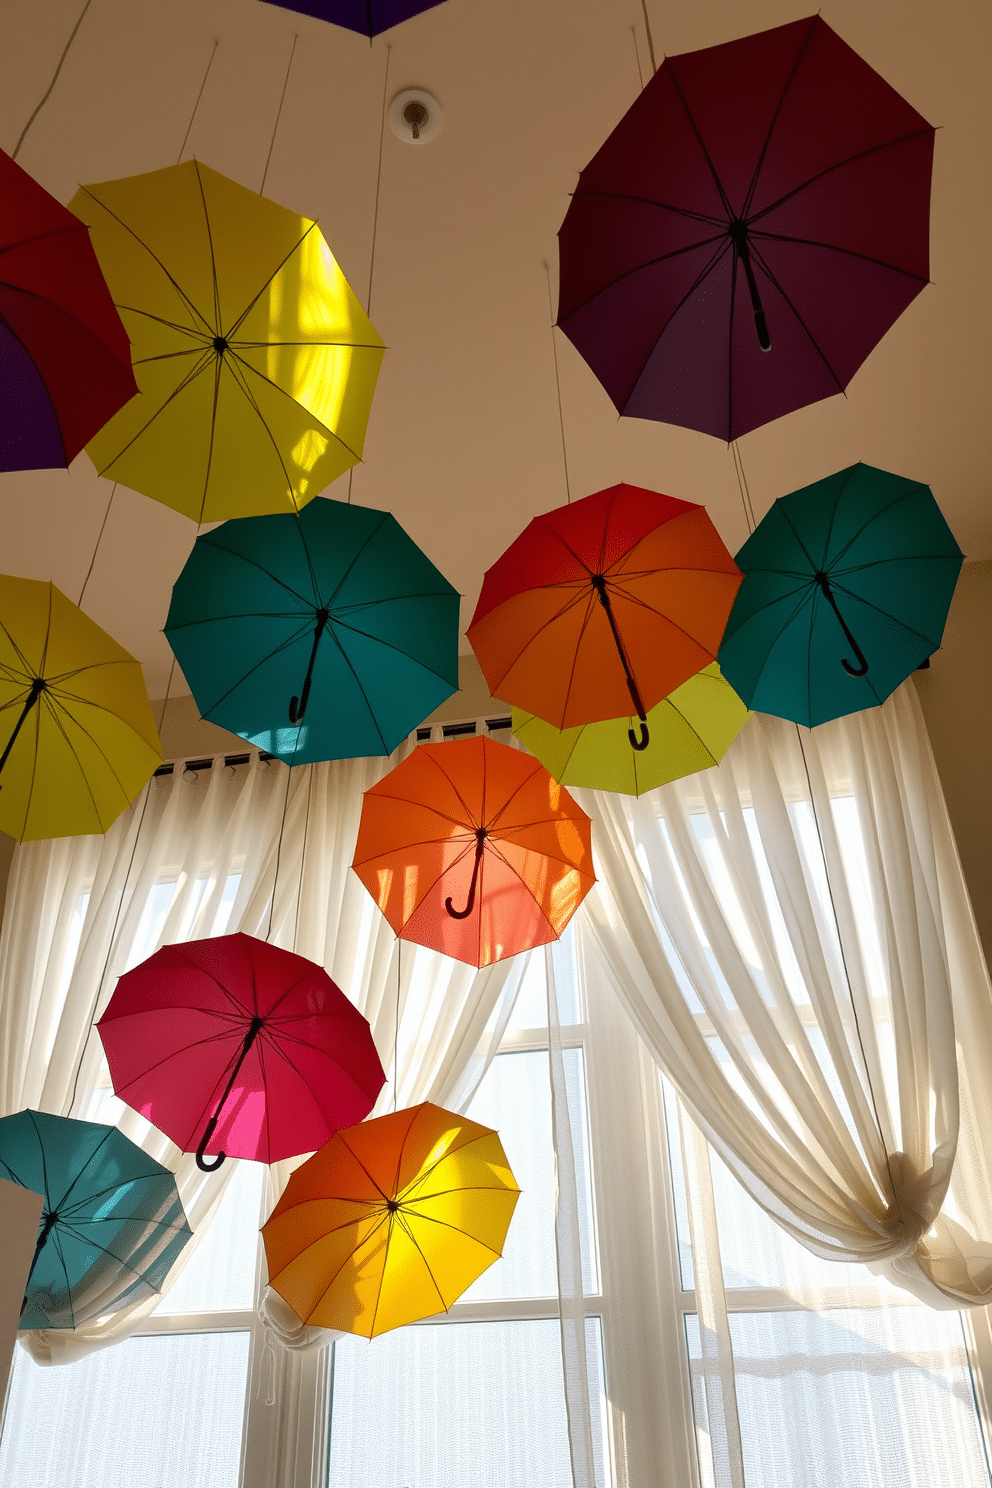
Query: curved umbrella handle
[(861, 670), (463, 914), (298, 705), (201, 1158), (643, 741), (254, 1029), (38, 686)]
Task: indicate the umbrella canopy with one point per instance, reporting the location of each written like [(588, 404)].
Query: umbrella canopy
[(324, 636), (112, 1225), (390, 1221), (471, 848), (614, 600), (748, 233), (255, 361), (77, 736), (368, 17), (239, 1048), (65, 362), (846, 589), (691, 730)]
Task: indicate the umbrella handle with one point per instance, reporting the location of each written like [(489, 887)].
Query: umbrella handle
[(644, 740), (463, 914), (49, 1224), (738, 234), (861, 670), (38, 686), (201, 1159), (254, 1029), (298, 705)]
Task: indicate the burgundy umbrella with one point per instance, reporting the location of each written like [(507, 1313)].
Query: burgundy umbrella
[(368, 17), (65, 359), (237, 1047), (748, 233)]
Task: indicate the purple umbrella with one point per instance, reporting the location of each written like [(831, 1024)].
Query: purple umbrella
[(368, 17), (748, 233)]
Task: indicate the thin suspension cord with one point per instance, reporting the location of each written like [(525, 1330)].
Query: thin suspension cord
[(55, 78), (97, 548), (303, 859), (396, 1027), (561, 416), (742, 483), (378, 181), (647, 28), (282, 829), (275, 127), (196, 105), (637, 56)]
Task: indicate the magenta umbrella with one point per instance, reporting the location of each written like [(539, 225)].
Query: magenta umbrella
[(239, 1048), (749, 231)]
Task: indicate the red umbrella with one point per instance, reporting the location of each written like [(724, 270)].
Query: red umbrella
[(236, 1047), (748, 232), (65, 359)]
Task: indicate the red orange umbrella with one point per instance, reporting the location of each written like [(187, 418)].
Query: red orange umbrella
[(231, 1045), (615, 600), (471, 848)]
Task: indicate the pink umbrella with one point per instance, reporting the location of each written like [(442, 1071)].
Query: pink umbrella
[(236, 1047)]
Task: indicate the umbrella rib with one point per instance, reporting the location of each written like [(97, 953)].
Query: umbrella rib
[(96, 1150), (358, 1160), (550, 857), (141, 243), (471, 822), (730, 348), (213, 539), (36, 725), (283, 645), (57, 1242), (706, 154), (50, 232), (422, 1177), (157, 1064), (570, 603), (92, 1194), (340, 345), (253, 302), (869, 604), (239, 378), (33, 294), (404, 1225), (368, 635), (837, 248), (749, 195), (262, 377), (883, 511), (763, 264), (218, 372), (428, 888), (172, 325), (95, 1245), (494, 818), (838, 165), (445, 1224), (358, 683), (333, 1230), (167, 356), (703, 274), (649, 201), (218, 329), (241, 1007), (181, 387), (814, 566), (591, 602), (634, 599), (101, 707), (649, 263), (370, 535), (371, 604)]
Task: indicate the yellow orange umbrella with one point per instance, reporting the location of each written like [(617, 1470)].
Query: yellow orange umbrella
[(255, 362), (77, 736), (390, 1221), (690, 730)]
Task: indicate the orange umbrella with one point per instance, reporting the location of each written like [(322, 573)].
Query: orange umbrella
[(615, 600), (390, 1221), (472, 849)]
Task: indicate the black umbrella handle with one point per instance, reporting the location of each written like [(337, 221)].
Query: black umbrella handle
[(298, 705), (861, 669), (50, 1221), (254, 1029), (38, 686), (599, 584), (738, 232), (463, 914)]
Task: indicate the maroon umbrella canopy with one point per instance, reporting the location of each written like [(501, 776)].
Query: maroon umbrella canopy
[(748, 233)]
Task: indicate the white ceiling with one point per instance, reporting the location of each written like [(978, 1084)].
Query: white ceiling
[(464, 443)]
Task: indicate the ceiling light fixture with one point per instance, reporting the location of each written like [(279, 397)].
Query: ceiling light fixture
[(415, 116)]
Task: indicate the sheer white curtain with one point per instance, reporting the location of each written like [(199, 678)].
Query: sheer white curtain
[(792, 936)]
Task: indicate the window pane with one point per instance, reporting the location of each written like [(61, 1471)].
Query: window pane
[(515, 1099), (222, 1272), (458, 1405), (845, 1398), (147, 1413)]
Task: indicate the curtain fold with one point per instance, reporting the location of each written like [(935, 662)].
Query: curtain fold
[(791, 934)]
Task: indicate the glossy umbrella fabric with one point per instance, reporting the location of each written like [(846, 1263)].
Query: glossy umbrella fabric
[(255, 360), (770, 189), (327, 636), (470, 848), (691, 730), (65, 361), (77, 736), (390, 1221), (546, 638), (368, 17), (112, 1225), (846, 589), (246, 1032)]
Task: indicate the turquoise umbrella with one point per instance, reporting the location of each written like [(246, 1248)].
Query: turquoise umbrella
[(112, 1225), (323, 635), (846, 589)]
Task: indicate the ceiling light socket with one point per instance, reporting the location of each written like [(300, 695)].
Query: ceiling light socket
[(415, 116)]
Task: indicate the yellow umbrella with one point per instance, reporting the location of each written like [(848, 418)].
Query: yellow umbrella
[(690, 730), (255, 362), (390, 1221), (77, 735)]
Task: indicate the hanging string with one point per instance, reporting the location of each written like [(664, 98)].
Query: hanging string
[(97, 548), (647, 28), (561, 416), (637, 57), (742, 484), (275, 127), (55, 78), (282, 829), (196, 105), (396, 1027), (303, 859)]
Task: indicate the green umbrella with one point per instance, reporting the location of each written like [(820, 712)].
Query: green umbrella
[(846, 589), (323, 635), (112, 1225)]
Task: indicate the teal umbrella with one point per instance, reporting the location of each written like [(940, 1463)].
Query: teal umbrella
[(846, 589), (112, 1225), (323, 635)]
